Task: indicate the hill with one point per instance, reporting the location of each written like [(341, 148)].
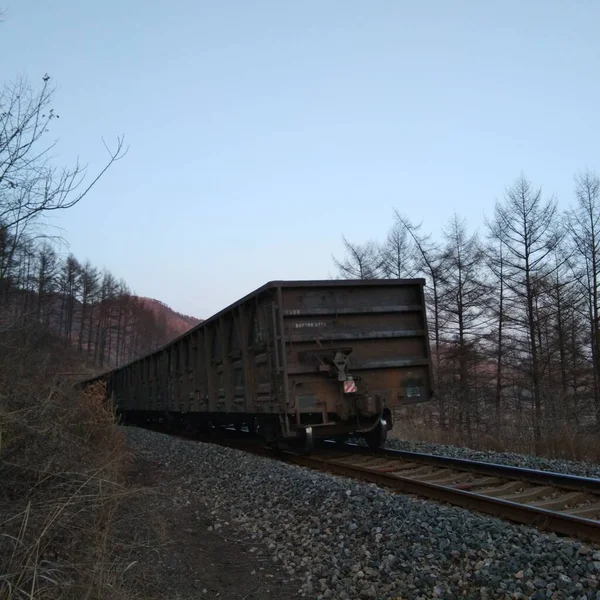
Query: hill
[(176, 322)]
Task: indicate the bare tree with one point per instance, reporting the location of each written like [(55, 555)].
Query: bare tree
[(107, 294), (397, 254), (30, 185), (430, 262), (525, 224), (123, 296), (496, 306), (462, 303), (560, 295), (7, 249), (361, 261), (69, 282), (45, 281), (584, 229), (88, 286)]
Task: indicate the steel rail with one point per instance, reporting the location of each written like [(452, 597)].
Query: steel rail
[(540, 518), (538, 477)]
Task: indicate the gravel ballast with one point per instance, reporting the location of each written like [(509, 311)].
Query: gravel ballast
[(345, 539), (570, 467)]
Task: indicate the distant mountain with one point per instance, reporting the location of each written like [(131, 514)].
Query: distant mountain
[(177, 323)]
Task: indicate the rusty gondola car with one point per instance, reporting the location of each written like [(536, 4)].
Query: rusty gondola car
[(296, 359)]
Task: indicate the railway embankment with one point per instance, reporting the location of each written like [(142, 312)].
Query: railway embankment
[(321, 536)]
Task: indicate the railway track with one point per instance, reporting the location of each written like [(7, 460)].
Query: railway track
[(565, 504), (553, 502)]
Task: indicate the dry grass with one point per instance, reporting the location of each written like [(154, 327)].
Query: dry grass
[(559, 439), (562, 441), (63, 494)]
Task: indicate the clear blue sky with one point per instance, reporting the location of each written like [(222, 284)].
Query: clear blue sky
[(262, 131)]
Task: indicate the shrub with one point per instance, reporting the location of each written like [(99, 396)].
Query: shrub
[(63, 465)]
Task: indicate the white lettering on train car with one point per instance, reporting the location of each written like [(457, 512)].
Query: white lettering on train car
[(310, 324)]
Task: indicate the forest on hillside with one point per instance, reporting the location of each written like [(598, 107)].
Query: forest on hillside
[(41, 290), (513, 310)]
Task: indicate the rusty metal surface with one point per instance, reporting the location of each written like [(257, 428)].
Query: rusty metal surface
[(382, 330)]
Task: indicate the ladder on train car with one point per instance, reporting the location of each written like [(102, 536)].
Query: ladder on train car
[(280, 364)]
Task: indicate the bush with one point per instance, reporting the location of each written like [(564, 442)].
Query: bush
[(63, 465), (512, 432)]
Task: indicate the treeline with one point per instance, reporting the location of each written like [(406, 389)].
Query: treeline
[(88, 309), (513, 311), (39, 290)]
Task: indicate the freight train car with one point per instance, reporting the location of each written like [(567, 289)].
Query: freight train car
[(295, 359)]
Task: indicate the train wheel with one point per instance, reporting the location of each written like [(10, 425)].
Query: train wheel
[(377, 436)]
